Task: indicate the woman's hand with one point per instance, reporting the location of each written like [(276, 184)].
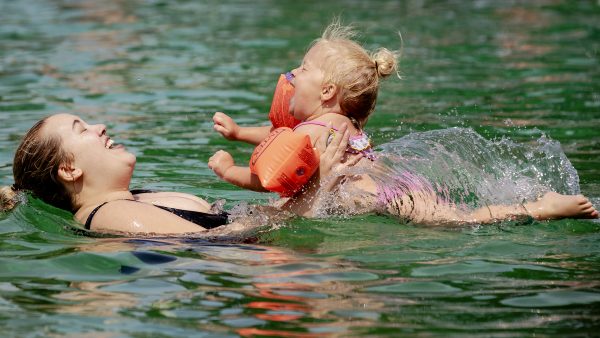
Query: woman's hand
[(220, 162), (334, 158), (226, 126)]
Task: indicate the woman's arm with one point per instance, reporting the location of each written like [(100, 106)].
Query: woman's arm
[(334, 158), (305, 202)]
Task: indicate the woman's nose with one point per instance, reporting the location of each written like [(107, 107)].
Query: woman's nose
[(100, 128)]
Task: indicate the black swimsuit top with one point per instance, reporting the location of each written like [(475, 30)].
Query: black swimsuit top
[(205, 220)]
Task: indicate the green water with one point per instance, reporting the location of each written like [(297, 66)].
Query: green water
[(155, 71)]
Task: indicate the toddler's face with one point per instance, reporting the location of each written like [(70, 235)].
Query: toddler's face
[(308, 83)]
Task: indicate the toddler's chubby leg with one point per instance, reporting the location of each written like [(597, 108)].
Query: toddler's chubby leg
[(424, 208), (550, 206)]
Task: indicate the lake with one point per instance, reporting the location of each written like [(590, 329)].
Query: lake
[(155, 71)]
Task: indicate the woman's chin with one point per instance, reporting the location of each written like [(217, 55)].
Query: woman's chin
[(132, 160)]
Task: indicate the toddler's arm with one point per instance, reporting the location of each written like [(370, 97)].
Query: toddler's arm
[(223, 165), (227, 127)]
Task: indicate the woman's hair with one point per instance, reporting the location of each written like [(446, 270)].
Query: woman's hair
[(355, 70), (35, 169)]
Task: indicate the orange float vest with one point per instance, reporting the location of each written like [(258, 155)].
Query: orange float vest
[(279, 114), (284, 161)]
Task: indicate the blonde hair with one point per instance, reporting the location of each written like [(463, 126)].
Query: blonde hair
[(35, 169), (355, 70)]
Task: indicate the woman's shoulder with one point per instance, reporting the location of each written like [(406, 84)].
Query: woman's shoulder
[(103, 211)]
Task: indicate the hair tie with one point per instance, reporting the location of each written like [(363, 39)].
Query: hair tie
[(14, 188), (376, 66)]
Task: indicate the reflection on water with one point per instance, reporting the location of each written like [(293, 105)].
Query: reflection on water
[(504, 73), (174, 281)]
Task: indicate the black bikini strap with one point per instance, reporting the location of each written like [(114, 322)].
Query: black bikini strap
[(141, 191), (205, 220), (88, 221)]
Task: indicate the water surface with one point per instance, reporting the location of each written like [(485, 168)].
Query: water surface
[(156, 71)]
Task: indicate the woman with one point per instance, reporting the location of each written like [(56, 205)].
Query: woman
[(75, 166)]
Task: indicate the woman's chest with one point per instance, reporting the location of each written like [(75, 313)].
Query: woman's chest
[(174, 200)]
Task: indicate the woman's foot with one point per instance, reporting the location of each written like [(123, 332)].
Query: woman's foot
[(554, 205)]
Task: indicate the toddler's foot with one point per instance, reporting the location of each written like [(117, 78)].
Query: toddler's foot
[(554, 206)]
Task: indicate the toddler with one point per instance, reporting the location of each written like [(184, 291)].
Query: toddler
[(336, 84)]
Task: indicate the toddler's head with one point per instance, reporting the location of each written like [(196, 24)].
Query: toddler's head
[(354, 70)]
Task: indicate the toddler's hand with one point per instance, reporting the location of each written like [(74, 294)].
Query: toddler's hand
[(220, 162), (225, 126)]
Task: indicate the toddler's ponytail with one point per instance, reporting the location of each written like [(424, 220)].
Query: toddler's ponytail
[(386, 62)]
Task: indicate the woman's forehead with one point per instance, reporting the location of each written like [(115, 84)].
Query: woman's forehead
[(60, 122)]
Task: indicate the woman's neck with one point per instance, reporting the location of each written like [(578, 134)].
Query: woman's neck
[(87, 200)]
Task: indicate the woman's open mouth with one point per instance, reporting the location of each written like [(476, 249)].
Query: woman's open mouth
[(110, 144)]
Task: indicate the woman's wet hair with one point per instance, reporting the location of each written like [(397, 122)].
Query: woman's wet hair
[(355, 70), (8, 198), (35, 169)]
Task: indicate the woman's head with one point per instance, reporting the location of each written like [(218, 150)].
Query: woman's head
[(55, 154), (35, 168), (352, 70)]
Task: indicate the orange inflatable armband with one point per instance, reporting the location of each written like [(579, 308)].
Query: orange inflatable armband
[(284, 161), (280, 106)]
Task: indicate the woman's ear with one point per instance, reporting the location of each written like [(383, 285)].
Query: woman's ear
[(328, 91), (69, 173)]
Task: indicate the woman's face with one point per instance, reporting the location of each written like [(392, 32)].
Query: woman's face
[(308, 83), (93, 151)]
